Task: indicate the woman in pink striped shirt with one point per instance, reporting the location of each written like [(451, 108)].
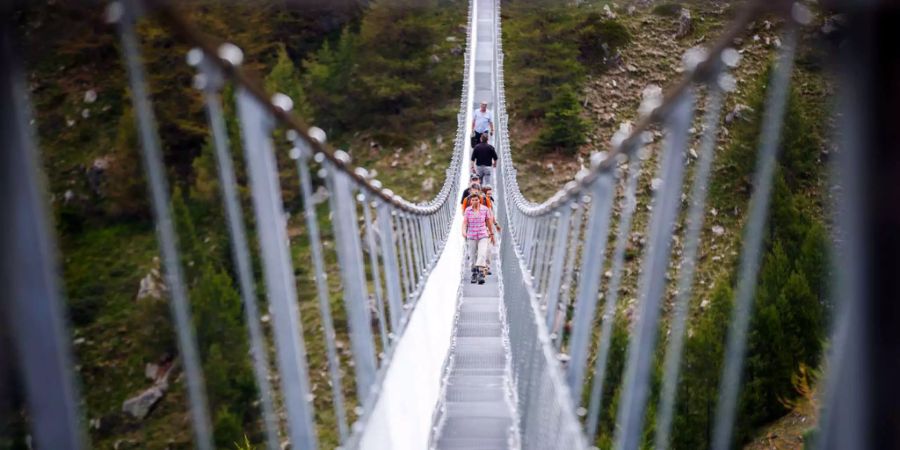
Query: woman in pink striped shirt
[(478, 230)]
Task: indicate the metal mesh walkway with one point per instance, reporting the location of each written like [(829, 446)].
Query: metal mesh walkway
[(475, 411)]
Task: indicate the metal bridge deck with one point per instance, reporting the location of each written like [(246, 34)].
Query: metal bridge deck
[(475, 411)]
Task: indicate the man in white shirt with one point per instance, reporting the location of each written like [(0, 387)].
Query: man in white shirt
[(482, 122)]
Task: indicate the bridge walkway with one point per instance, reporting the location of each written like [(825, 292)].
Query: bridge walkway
[(476, 410)]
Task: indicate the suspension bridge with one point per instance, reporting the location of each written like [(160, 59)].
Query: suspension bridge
[(438, 362)]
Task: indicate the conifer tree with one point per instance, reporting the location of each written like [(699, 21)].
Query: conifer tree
[(285, 79), (328, 78), (564, 129)]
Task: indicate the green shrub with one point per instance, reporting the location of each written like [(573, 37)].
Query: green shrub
[(564, 129), (600, 38), (228, 430), (667, 9), (701, 368)]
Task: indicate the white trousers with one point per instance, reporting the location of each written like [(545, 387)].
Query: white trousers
[(478, 251)]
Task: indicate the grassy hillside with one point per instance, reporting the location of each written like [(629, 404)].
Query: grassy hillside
[(791, 307)]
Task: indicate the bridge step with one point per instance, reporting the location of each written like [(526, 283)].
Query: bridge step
[(475, 410)]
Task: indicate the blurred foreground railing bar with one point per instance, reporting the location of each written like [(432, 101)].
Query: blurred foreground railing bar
[(695, 216), (31, 307), (611, 299), (257, 126), (653, 277), (210, 81), (770, 136), (302, 156), (125, 14), (861, 395), (356, 298)]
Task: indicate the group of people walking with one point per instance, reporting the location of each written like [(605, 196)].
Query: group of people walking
[(479, 223)]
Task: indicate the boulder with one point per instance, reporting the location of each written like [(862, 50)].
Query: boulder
[(140, 405), (152, 285), (740, 111), (428, 184), (685, 24), (607, 12), (320, 196)]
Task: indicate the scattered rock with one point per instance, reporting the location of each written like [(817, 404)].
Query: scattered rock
[(451, 39), (651, 97), (85, 113), (718, 230), (320, 196), (456, 50), (140, 405), (739, 112), (435, 59), (607, 12), (152, 285), (68, 196), (685, 24), (428, 184), (90, 96), (96, 171)]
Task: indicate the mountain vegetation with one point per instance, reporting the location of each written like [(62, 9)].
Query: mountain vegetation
[(382, 78), (400, 64), (791, 314)]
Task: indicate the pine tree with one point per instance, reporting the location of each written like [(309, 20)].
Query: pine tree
[(702, 366), (328, 79), (285, 79), (564, 129)]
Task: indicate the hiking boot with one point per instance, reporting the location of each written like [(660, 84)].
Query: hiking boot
[(474, 276), (480, 277)]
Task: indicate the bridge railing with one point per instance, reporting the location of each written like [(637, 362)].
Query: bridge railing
[(385, 248), (564, 244)]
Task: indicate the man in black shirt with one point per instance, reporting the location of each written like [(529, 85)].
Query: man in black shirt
[(484, 159)]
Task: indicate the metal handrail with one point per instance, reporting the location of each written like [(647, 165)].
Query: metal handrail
[(546, 238)]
